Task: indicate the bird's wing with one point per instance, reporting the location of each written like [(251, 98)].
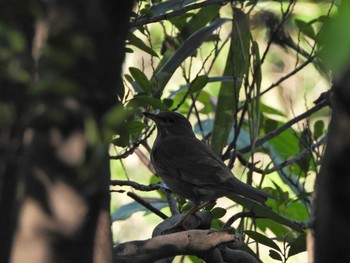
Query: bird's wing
[(192, 160)]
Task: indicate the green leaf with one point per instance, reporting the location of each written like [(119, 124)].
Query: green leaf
[(298, 245), (263, 211), (318, 129), (125, 211), (275, 255), (198, 83), (306, 28), (260, 238), (218, 212), (141, 79), (135, 41), (237, 65), (135, 127), (163, 74), (147, 100), (203, 17)]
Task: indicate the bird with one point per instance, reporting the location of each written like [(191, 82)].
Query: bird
[(189, 167)]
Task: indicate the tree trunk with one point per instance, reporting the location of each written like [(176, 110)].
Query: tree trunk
[(56, 152)]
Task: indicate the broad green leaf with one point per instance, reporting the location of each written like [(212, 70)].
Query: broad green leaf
[(125, 211), (336, 51), (163, 74), (135, 126), (298, 245), (260, 238), (263, 211), (218, 212), (135, 41), (237, 65), (141, 79), (198, 83), (147, 100)]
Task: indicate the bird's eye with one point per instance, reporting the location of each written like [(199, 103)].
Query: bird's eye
[(170, 120)]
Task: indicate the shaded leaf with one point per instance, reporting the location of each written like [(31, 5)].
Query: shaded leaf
[(263, 211), (163, 74), (135, 126), (147, 100), (298, 245), (137, 42), (141, 79), (198, 83), (125, 211), (318, 129), (260, 238), (218, 212), (275, 255), (237, 65)]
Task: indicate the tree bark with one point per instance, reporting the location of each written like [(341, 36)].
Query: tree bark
[(333, 184), (57, 161)]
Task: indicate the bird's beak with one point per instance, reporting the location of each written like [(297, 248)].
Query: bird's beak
[(151, 116)]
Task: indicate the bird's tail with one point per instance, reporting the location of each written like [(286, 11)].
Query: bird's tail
[(246, 190)]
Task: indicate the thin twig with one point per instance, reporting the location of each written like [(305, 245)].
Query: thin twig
[(280, 166), (147, 205), (286, 126), (137, 186)]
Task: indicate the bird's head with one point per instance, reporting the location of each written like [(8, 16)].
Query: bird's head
[(171, 123)]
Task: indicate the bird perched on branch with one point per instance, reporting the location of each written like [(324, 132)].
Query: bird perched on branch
[(189, 167)]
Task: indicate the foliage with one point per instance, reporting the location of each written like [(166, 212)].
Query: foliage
[(230, 67)]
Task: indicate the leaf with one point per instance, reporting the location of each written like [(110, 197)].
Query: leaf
[(150, 102), (275, 255), (125, 211), (203, 17), (135, 41), (135, 127), (198, 83), (298, 245), (141, 79), (263, 211), (166, 6), (260, 238), (163, 74), (318, 129), (237, 65), (306, 28), (218, 212)]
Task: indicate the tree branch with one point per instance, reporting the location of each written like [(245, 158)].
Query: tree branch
[(191, 242), (154, 19), (286, 126)]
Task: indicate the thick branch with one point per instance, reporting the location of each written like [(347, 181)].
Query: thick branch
[(192, 242)]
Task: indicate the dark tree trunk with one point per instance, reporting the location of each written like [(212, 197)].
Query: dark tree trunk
[(54, 182), (332, 229)]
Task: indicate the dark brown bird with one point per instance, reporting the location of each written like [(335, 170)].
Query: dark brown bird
[(189, 167)]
